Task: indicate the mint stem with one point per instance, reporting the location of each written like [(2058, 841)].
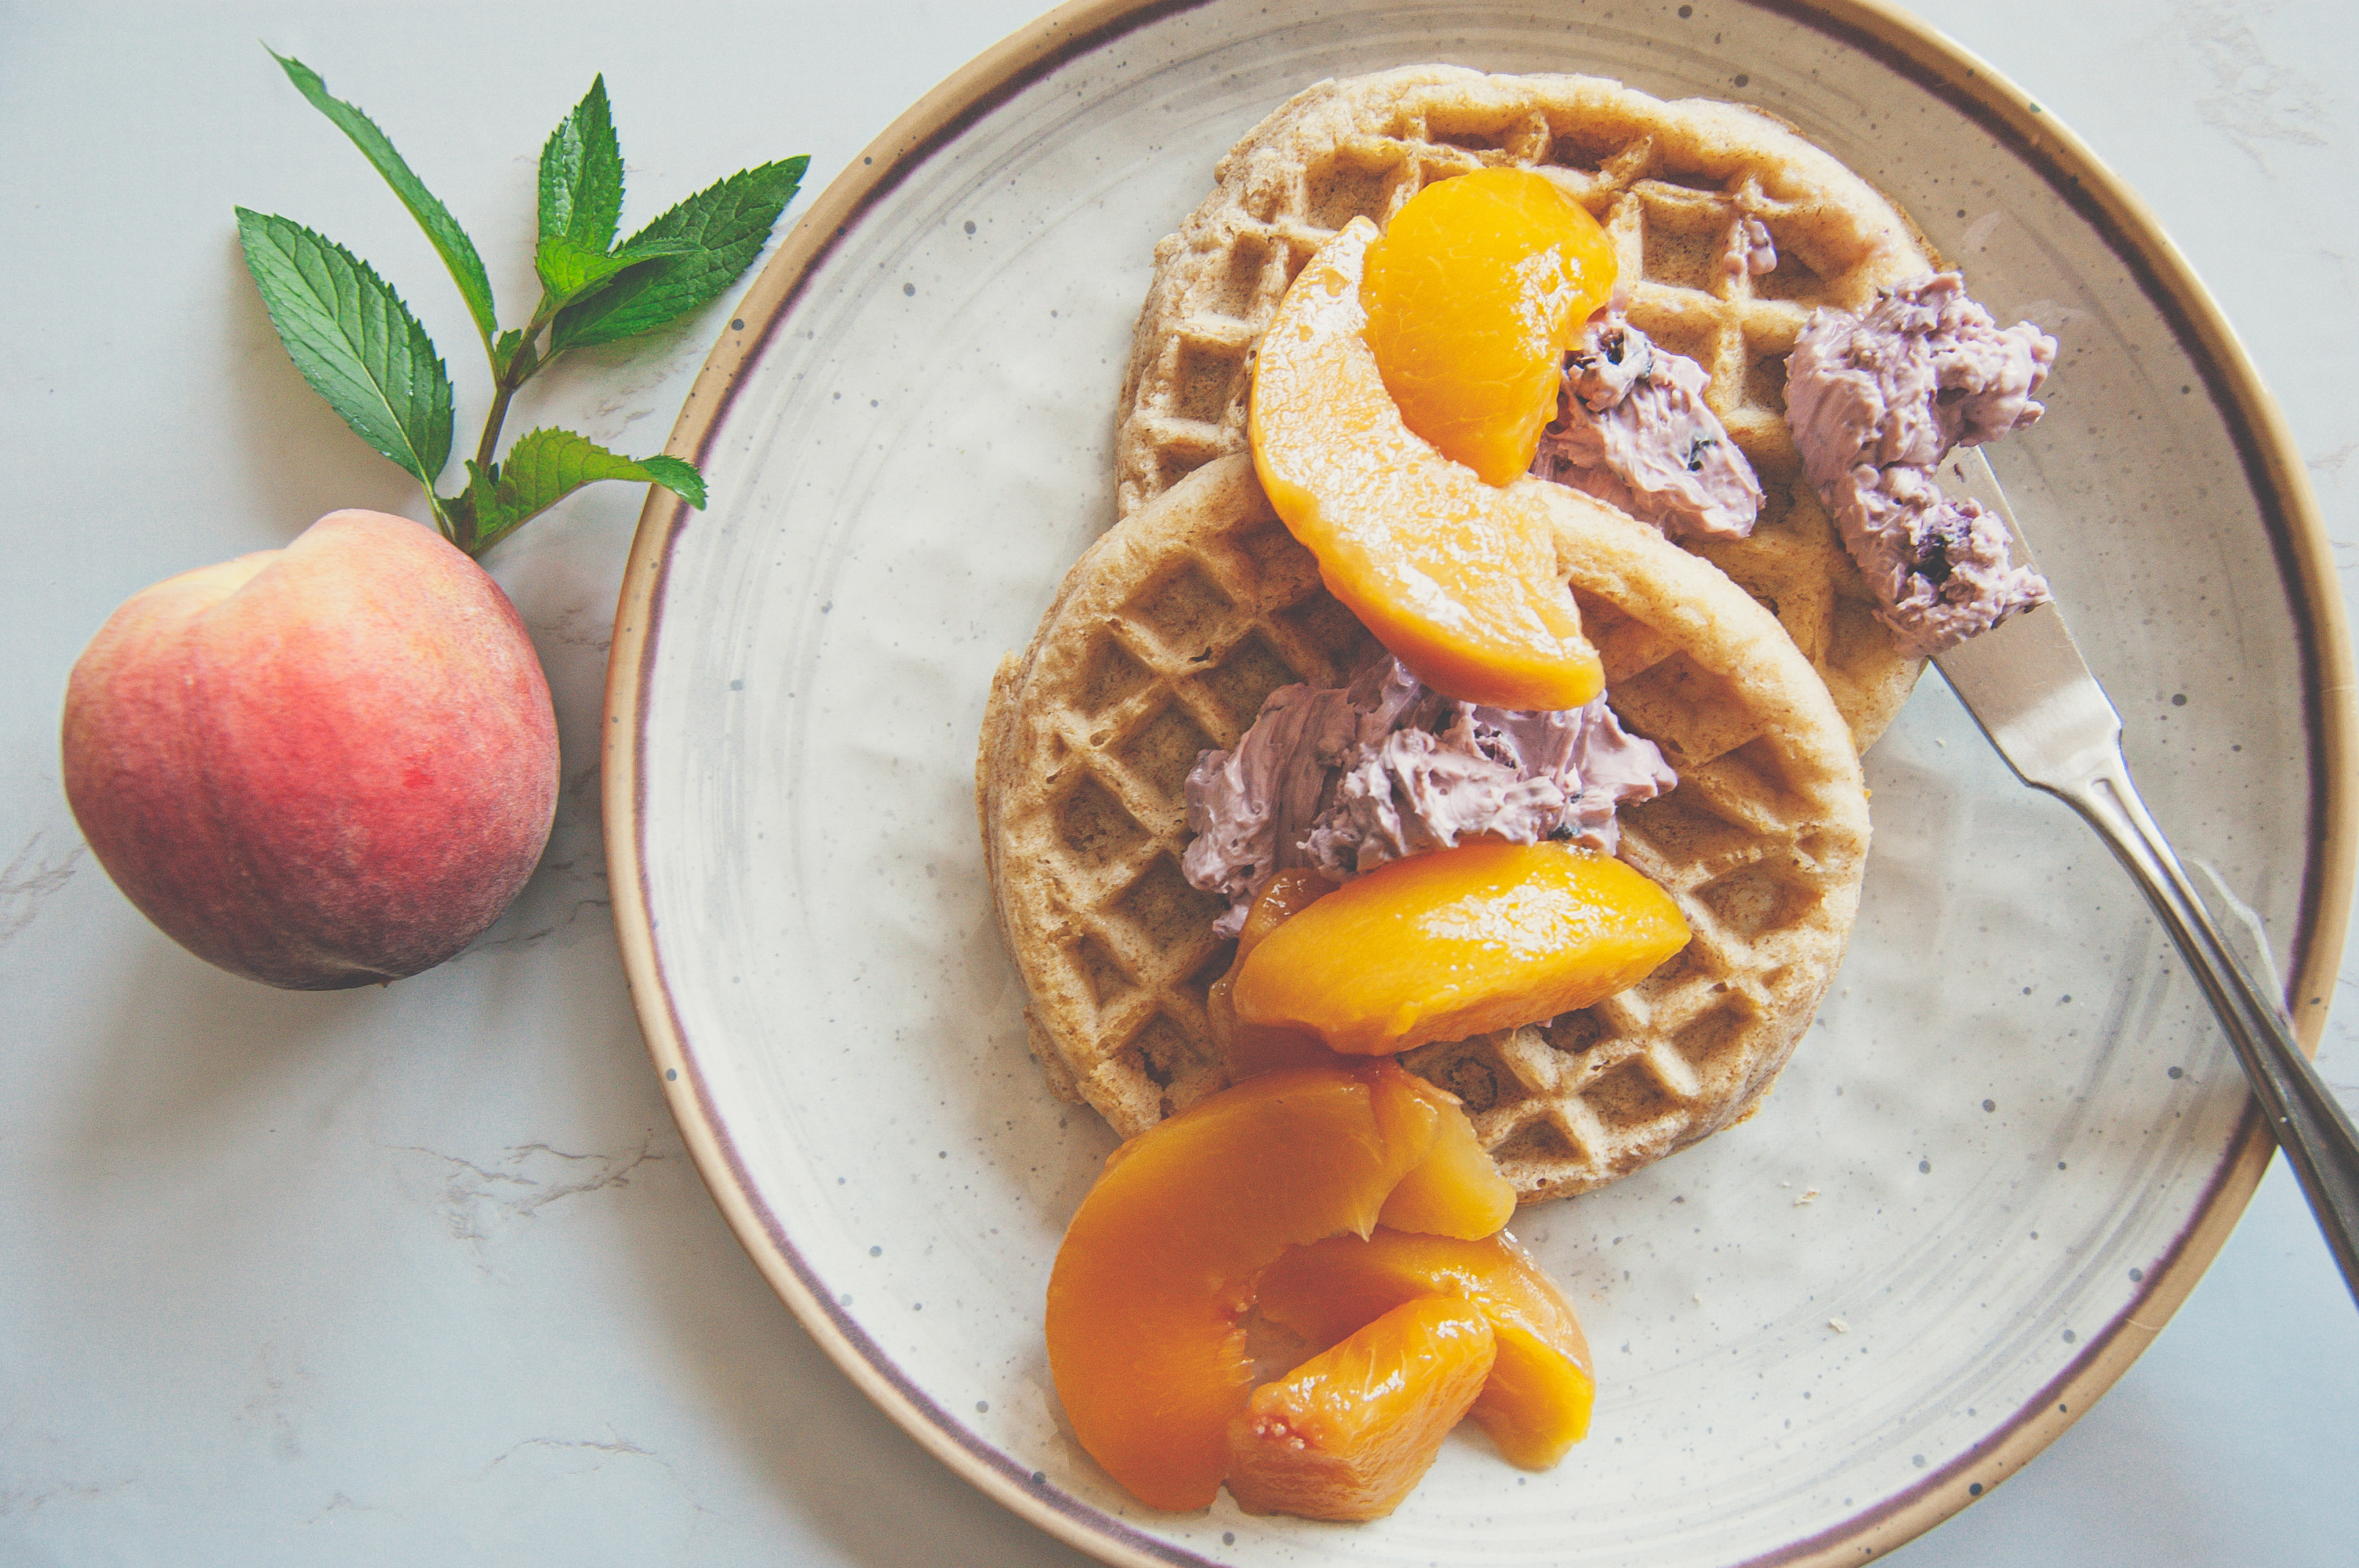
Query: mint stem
[(507, 379), (504, 391), (465, 529)]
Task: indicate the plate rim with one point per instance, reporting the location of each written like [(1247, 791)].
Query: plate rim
[(2274, 474)]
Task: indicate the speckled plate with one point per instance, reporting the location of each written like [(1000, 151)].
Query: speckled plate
[(2003, 1155)]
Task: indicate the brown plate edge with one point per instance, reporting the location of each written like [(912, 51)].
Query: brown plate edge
[(2273, 470)]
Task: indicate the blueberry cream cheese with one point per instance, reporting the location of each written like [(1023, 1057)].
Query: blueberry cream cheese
[(1751, 248), (1347, 778), (1876, 402), (1632, 428)]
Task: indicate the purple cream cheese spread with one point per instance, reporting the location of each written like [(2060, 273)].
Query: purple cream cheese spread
[(1750, 248), (1875, 403), (1347, 778), (1632, 429)]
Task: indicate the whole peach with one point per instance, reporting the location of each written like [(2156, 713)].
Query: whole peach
[(321, 766)]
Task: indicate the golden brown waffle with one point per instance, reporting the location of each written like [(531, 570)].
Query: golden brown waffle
[(1164, 640), (1667, 179)]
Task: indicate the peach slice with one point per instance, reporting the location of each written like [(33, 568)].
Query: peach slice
[(1474, 290), (1249, 1050), (1160, 1264), (1456, 576), (1456, 1190), (1158, 1269), (1536, 1402), (1351, 1431), (1458, 941)]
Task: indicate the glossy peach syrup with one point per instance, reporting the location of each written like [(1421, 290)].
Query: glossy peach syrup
[(1351, 1431), (1535, 1404)]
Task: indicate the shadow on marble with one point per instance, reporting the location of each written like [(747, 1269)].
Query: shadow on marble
[(188, 1053)]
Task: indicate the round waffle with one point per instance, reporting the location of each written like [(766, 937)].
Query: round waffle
[(1164, 640), (1669, 180)]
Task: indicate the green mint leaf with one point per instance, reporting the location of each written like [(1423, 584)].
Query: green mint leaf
[(457, 515), (549, 465), (457, 251), (581, 175), (514, 360), (569, 270), (355, 342), (728, 222), (680, 476)]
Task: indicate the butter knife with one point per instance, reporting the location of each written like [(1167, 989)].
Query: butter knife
[(2028, 686)]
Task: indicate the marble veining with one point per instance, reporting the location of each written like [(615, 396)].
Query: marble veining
[(2253, 100), (475, 1199), (34, 874), (284, 1384)]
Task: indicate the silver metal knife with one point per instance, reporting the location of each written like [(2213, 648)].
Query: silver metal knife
[(2028, 686)]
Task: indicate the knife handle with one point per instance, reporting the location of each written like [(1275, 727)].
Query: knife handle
[(2312, 1127)]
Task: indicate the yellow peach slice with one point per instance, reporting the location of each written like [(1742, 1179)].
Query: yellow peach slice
[(1536, 1402), (1456, 1190), (1158, 1265), (1250, 1050), (1474, 290), (1457, 942), (1456, 576), (1146, 1342), (1351, 1431)]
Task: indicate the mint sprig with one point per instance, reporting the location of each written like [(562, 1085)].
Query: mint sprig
[(360, 347), (568, 269)]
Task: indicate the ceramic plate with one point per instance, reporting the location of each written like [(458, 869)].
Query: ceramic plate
[(2001, 1156)]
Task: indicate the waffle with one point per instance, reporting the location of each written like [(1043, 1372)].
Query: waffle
[(1667, 180), (1164, 640)]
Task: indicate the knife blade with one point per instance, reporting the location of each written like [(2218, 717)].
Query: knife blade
[(2030, 691)]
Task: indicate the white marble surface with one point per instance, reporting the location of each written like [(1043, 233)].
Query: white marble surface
[(423, 1274)]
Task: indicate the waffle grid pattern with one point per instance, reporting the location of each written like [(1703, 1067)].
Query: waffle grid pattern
[(1171, 665), (1596, 1094), (1166, 638), (1668, 181)]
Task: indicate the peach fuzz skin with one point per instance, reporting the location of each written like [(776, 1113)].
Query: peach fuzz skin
[(323, 766)]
